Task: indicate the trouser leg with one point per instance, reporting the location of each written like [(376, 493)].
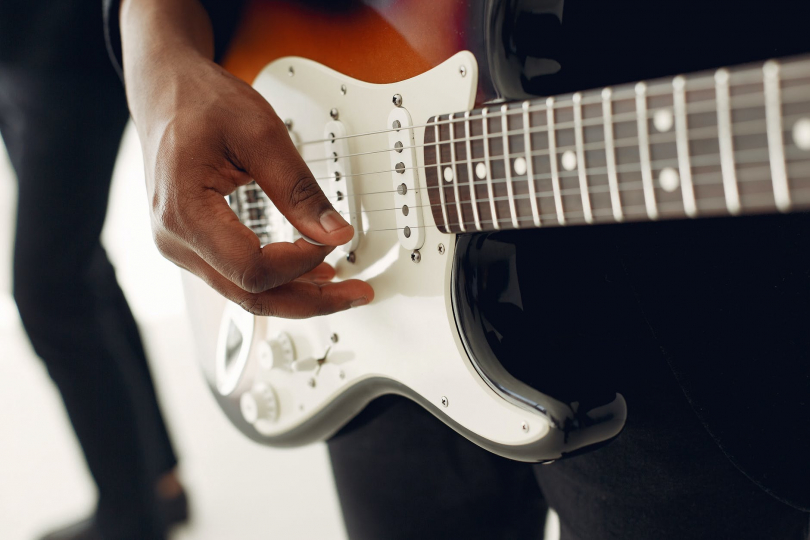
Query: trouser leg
[(62, 134), (663, 478), (402, 474)]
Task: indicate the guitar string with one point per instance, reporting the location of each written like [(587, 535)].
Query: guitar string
[(802, 167), (550, 219), (695, 134), (621, 142), (738, 103), (544, 129), (788, 71)]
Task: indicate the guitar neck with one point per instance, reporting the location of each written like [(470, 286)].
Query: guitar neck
[(736, 141)]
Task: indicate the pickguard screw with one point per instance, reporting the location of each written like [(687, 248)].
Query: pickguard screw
[(402, 189), (445, 401), (462, 70), (289, 123), (333, 338), (351, 257), (416, 256), (343, 89), (396, 125), (397, 100), (291, 71), (311, 383), (524, 427), (441, 249), (334, 114)]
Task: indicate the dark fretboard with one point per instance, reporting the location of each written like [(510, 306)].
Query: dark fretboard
[(731, 142)]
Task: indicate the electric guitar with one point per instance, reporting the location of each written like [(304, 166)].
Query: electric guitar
[(395, 110)]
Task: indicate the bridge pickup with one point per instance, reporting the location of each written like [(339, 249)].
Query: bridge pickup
[(341, 182), (407, 202)]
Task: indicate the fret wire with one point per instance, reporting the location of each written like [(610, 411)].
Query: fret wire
[(552, 154), (581, 167), (644, 150), (682, 146), (610, 154), (726, 144), (490, 190), (470, 177), (441, 188), (508, 167), (745, 157), (773, 117), (455, 175), (527, 144)]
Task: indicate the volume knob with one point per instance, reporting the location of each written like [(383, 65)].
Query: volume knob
[(259, 406), (278, 352)]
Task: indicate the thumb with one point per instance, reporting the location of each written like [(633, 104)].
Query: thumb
[(284, 176)]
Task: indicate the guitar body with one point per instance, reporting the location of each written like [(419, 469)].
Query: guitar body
[(407, 341), (352, 81)]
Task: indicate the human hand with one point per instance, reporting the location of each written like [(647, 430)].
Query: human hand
[(204, 133)]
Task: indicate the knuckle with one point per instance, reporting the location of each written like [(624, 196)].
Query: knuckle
[(256, 305), (254, 278), (303, 191)]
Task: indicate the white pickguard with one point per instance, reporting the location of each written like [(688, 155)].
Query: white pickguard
[(407, 335)]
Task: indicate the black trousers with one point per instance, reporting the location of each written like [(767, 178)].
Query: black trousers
[(62, 130), (401, 474)]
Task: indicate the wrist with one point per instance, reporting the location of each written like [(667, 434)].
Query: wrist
[(161, 40)]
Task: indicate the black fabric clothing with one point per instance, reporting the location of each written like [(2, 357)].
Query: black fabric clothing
[(224, 17), (710, 347), (62, 128)]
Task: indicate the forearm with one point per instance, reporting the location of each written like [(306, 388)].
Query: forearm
[(158, 39)]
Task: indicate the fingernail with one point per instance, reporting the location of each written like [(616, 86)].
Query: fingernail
[(332, 221), (362, 301)]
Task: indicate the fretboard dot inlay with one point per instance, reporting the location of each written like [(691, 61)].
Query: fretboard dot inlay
[(520, 166), (663, 120), (801, 134), (481, 171), (669, 179), (448, 174), (569, 160)]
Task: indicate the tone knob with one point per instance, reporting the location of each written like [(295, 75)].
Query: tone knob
[(278, 352), (259, 406)]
